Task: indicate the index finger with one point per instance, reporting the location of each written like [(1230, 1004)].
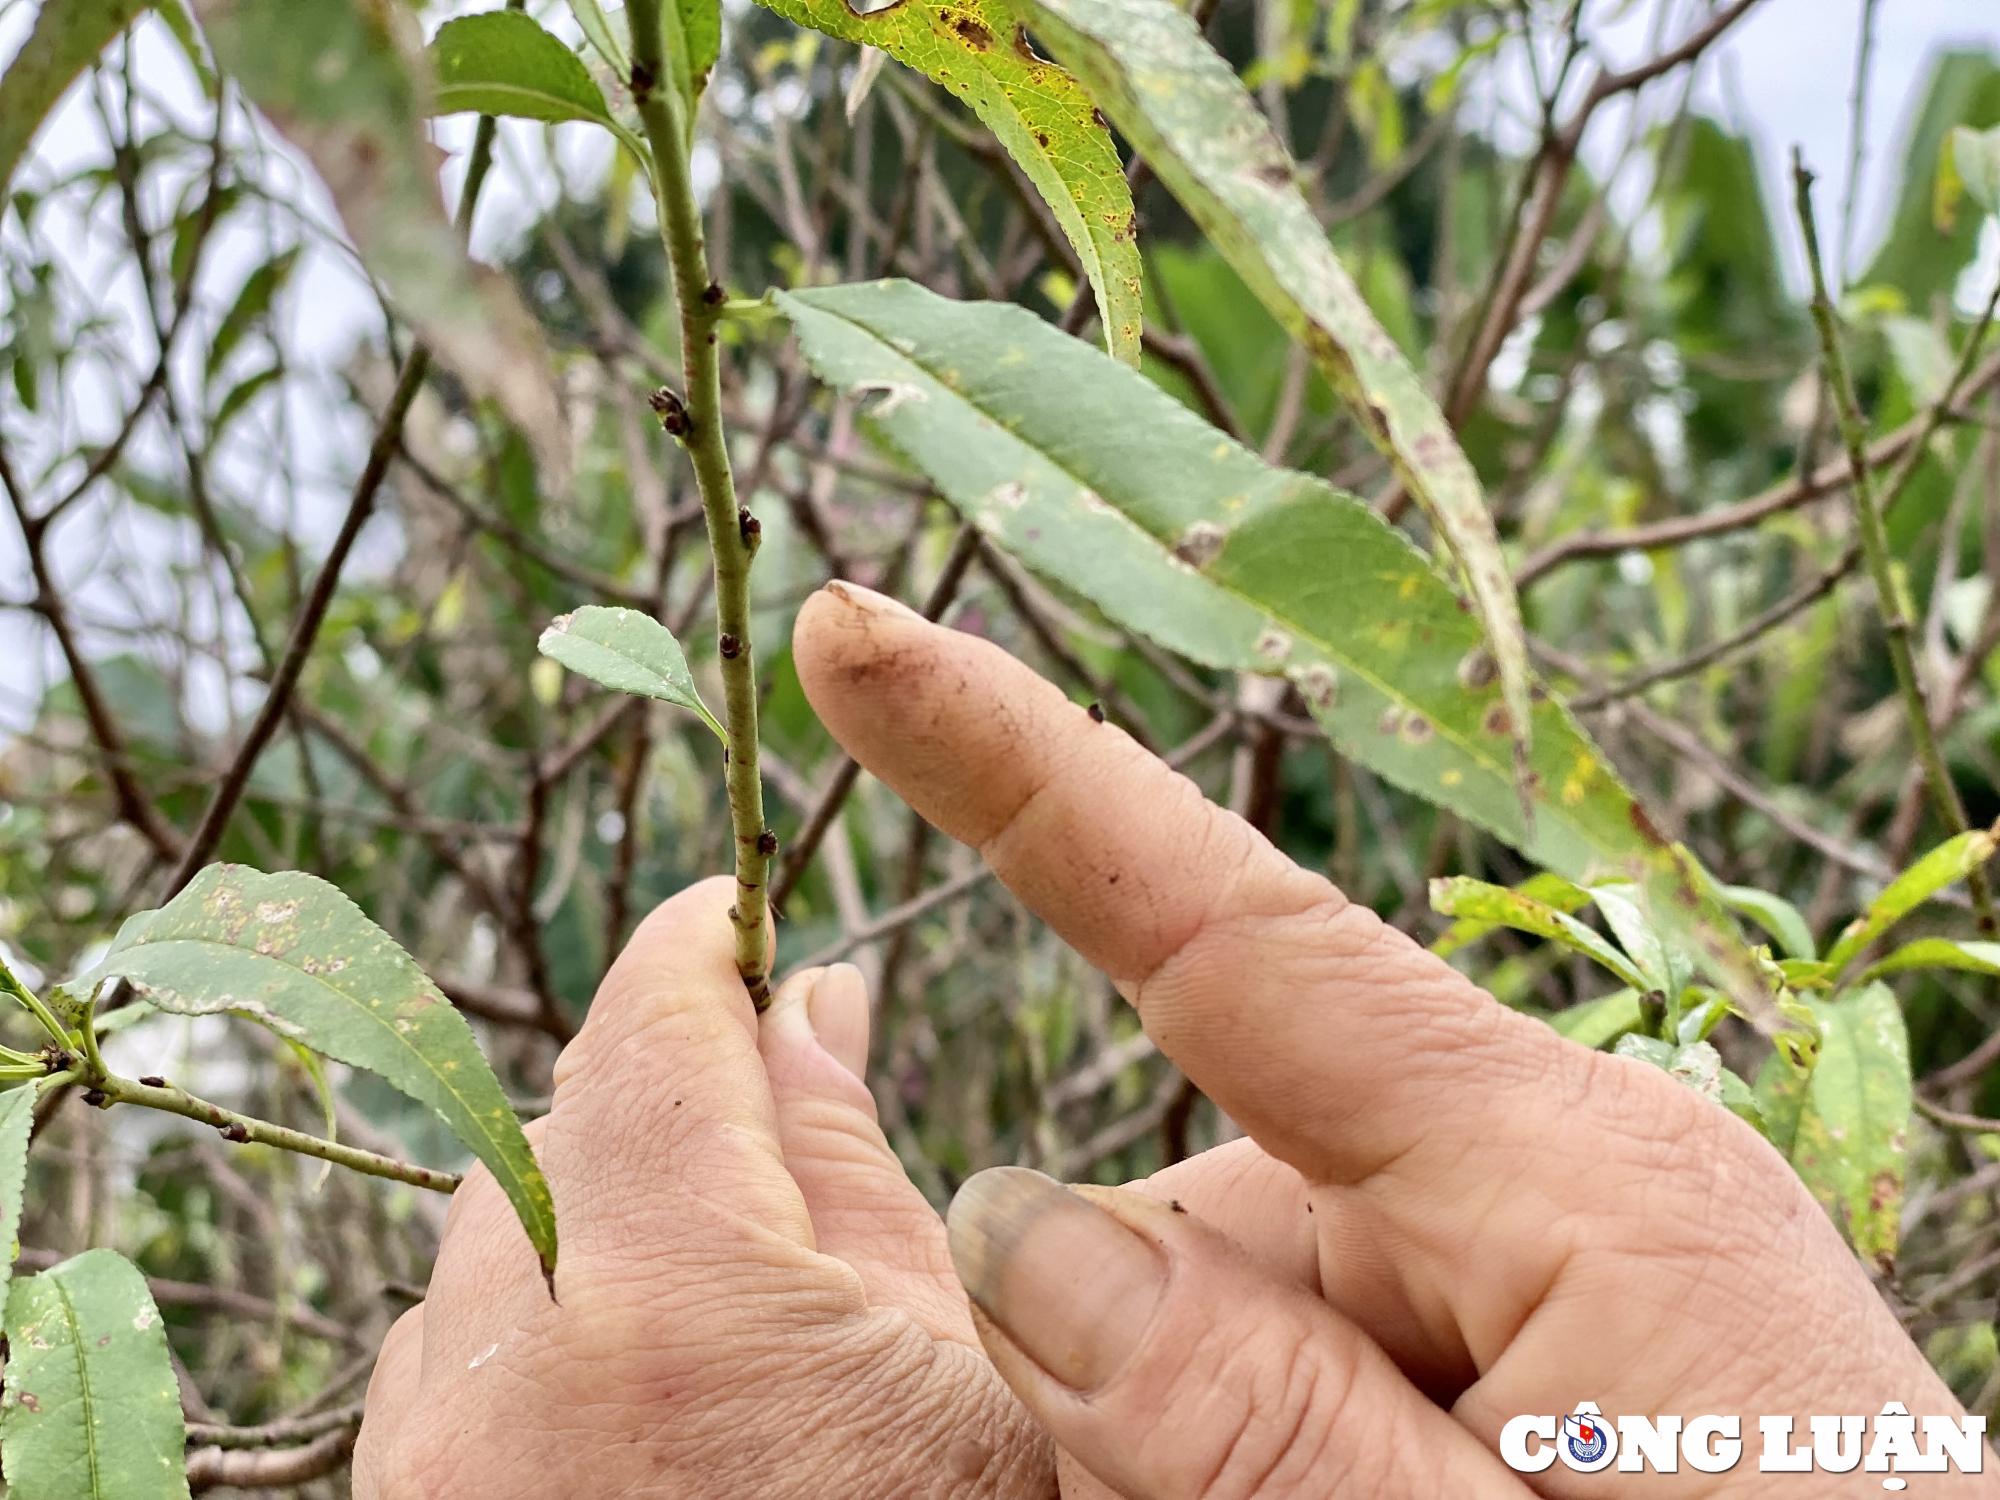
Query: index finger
[(1332, 1038)]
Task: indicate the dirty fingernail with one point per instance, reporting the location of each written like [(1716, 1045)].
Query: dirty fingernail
[(868, 600), (1073, 1287), (838, 1010)]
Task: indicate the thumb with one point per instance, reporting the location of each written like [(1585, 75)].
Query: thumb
[(1172, 1368)]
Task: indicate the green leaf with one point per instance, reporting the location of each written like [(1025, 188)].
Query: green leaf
[(1698, 1066), (597, 30), (1596, 1024), (1962, 88), (1099, 480), (627, 650), (17, 1123), (1939, 953), (241, 395), (1698, 1022), (978, 51), (253, 301), (1774, 914), (1781, 1094), (336, 80), (1976, 156), (67, 37), (694, 43), (1188, 114), (1666, 969), (1741, 1100), (1805, 973), (92, 1409), (1945, 865), (1647, 1049), (292, 952), (500, 62), (1850, 1147), (1548, 888), (1462, 896)]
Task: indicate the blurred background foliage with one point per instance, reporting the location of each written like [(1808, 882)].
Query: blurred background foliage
[(179, 456)]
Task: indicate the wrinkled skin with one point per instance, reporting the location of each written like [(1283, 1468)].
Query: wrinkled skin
[(752, 1298), (1444, 1216)]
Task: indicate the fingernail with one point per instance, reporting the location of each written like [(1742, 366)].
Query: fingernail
[(838, 1010), (868, 601), (1072, 1286)]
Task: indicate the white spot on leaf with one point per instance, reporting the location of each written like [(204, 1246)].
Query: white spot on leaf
[(1201, 544), (894, 393)]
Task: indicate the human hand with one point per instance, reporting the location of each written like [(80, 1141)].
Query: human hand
[(1447, 1215), (752, 1300)]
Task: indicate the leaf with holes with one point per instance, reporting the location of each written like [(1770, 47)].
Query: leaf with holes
[(1945, 865), (501, 63), (92, 1409), (292, 952), (1851, 1145), (67, 36), (346, 84), (629, 651), (1100, 481), (977, 50), (1188, 114)]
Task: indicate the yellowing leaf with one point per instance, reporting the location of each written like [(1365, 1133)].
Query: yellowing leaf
[(1189, 115), (978, 51)]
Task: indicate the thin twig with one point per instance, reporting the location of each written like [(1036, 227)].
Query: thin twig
[(312, 614), (1907, 443), (174, 1100), (732, 535), (268, 1468), (1875, 547)]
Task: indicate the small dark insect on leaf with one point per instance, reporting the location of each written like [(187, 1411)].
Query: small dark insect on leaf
[(1096, 712), (674, 416), (729, 646), (153, 1081), (236, 1133), (96, 1098)]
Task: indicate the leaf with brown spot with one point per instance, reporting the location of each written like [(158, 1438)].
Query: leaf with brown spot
[(1188, 114), (92, 1411), (1852, 1143), (1096, 478), (293, 953), (1036, 110)]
